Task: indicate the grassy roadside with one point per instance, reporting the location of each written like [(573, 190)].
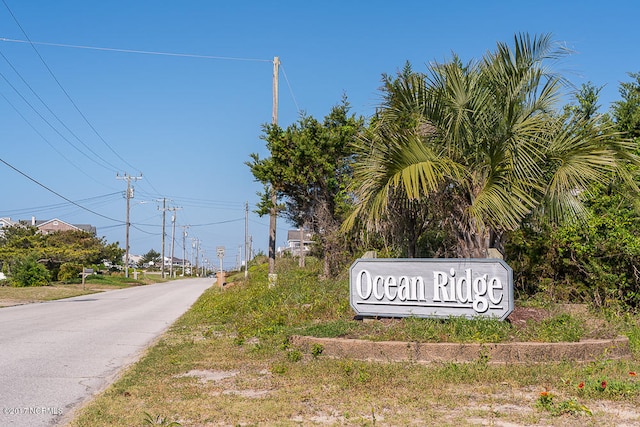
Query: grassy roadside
[(227, 362), (95, 283)]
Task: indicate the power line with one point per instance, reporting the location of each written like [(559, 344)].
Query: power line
[(51, 111), (61, 87), (33, 43), (146, 52), (58, 194), (217, 223), (132, 51), (144, 231), (109, 226), (48, 123), (95, 131), (104, 198), (47, 141), (143, 52), (290, 89), (201, 203)]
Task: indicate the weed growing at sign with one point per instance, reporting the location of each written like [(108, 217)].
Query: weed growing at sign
[(548, 402), (159, 420)]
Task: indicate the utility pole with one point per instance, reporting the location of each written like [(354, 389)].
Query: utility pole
[(301, 259), (164, 210), (128, 196), (184, 249), (173, 234), (273, 213), (196, 246), (246, 240), (193, 247)]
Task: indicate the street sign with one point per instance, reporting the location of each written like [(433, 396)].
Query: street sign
[(438, 288), (220, 251)]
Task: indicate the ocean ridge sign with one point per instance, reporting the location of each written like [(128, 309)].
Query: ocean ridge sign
[(438, 288)]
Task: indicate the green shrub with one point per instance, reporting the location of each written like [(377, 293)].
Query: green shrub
[(69, 272), (561, 328), (28, 272), (593, 262)]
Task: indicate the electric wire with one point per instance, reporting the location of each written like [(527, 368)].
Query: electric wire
[(107, 227), (95, 131), (47, 141), (199, 201), (58, 194), (286, 79), (54, 114), (217, 223), (144, 231), (49, 123), (132, 51), (142, 52), (61, 87), (101, 198)]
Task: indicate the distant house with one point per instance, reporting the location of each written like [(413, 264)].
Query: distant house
[(5, 222), (52, 225), (134, 260), (176, 262), (293, 242)]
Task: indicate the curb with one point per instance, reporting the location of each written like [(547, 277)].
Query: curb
[(501, 353)]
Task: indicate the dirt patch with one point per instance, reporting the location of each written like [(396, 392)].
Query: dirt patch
[(228, 285), (205, 376), (250, 394), (594, 327), (521, 315)]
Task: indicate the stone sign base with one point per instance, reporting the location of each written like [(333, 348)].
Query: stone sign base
[(220, 279), (502, 353)]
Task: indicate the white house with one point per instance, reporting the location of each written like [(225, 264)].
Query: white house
[(5, 222), (293, 242)]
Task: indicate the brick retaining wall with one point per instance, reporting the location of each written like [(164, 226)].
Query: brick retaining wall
[(516, 352)]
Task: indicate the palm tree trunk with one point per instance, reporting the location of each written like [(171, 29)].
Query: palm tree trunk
[(412, 243), (473, 240)]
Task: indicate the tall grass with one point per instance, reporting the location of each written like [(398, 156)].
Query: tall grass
[(302, 304), (256, 310)]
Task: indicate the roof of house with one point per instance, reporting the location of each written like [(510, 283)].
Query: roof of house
[(6, 222), (41, 223)]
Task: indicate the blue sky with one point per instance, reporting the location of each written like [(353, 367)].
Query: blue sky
[(72, 118)]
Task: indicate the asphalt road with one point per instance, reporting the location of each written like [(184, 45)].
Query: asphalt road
[(54, 356)]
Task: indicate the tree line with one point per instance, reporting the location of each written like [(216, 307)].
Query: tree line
[(465, 157), (30, 258)]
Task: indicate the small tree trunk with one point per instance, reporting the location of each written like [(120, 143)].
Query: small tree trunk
[(326, 269), (412, 246), (301, 259), (273, 215)]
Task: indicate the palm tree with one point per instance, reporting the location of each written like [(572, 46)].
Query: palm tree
[(483, 142)]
